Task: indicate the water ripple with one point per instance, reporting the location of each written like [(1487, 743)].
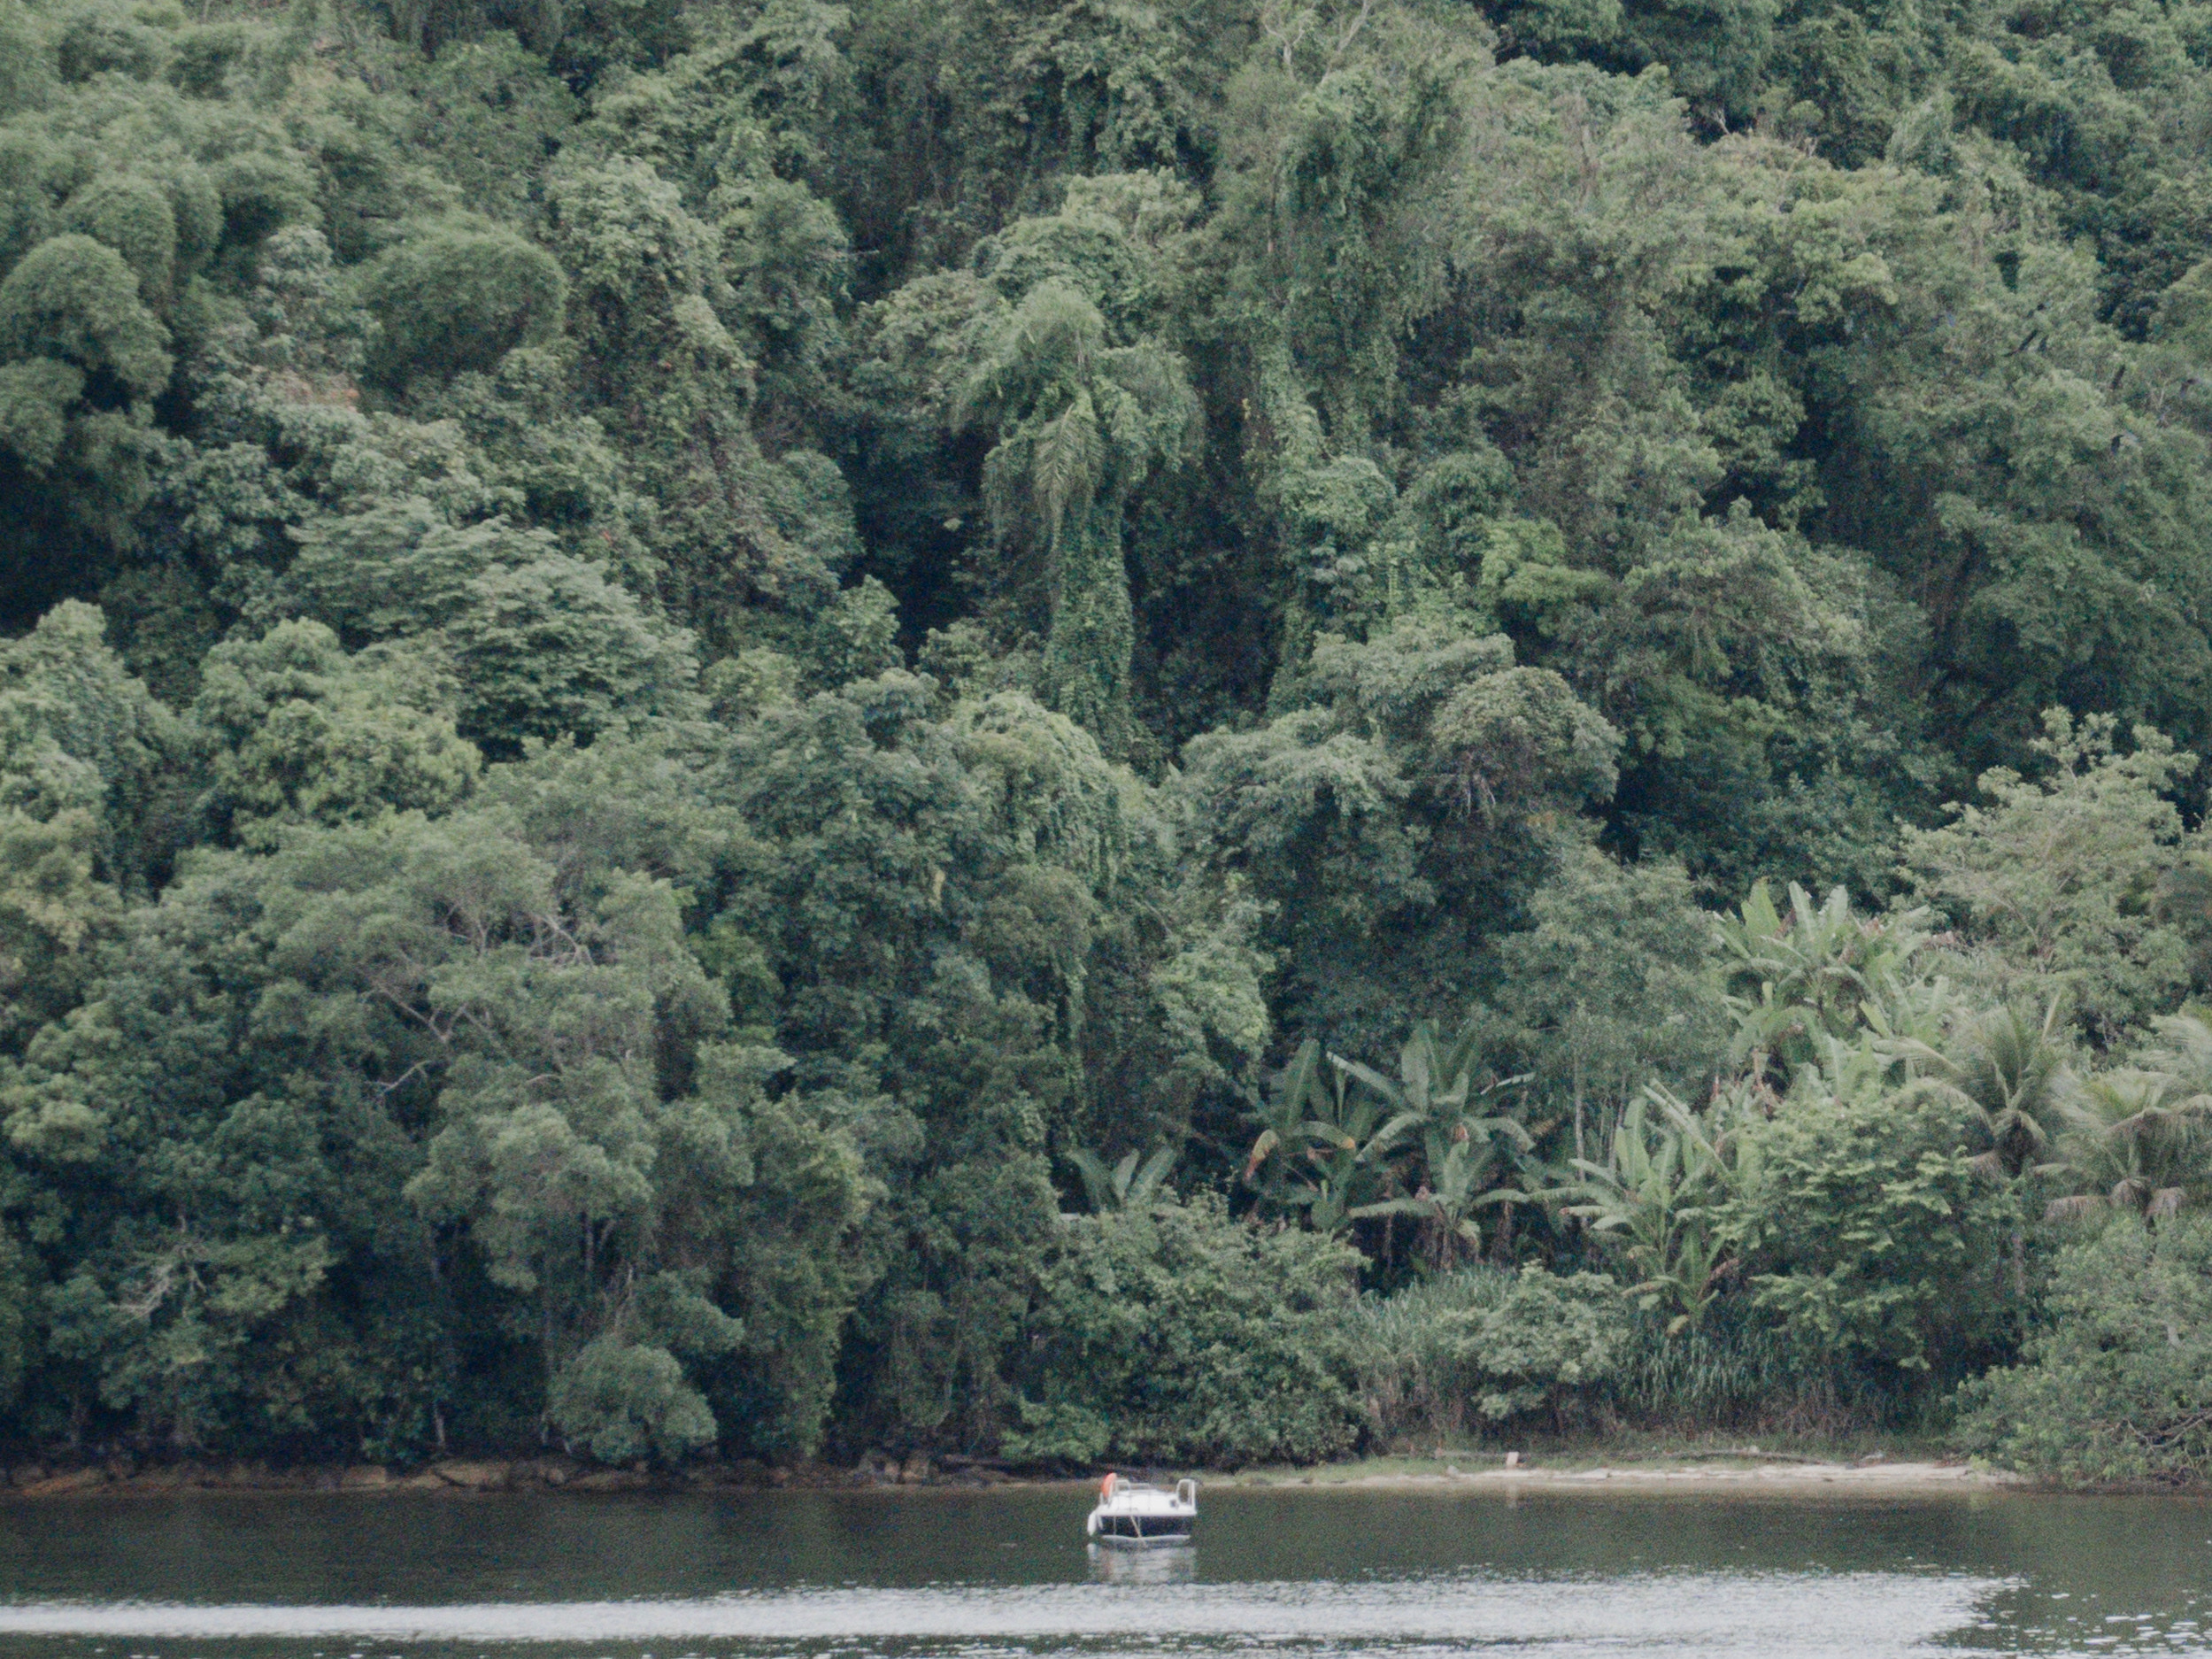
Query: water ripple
[(1777, 1616)]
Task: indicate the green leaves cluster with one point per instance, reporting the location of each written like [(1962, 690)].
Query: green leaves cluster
[(1170, 1333), (2112, 1391), (1485, 1349)]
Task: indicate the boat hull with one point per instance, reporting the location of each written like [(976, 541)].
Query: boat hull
[(1164, 1540), (1128, 1528)]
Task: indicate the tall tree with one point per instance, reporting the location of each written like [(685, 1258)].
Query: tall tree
[(1080, 424)]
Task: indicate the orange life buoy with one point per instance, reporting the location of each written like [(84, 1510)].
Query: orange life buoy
[(1106, 1486)]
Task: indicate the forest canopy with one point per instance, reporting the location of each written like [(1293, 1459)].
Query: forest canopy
[(765, 729)]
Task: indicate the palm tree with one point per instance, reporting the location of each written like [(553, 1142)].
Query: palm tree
[(2136, 1140), (2184, 1051), (2014, 1075)]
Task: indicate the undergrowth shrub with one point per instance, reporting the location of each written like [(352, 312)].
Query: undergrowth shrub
[(2117, 1386), (1739, 1372), (1486, 1347), (1490, 1349), (1174, 1334)]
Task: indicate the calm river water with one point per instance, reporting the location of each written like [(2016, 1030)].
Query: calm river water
[(1330, 1574)]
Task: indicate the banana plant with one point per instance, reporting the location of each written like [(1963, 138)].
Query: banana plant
[(1349, 1174), (1434, 1089), (1318, 1151), (1326, 1149), (1820, 971), (1465, 1154), (1665, 1172), (1130, 1185), (1471, 1177), (1300, 1092), (1343, 1142)]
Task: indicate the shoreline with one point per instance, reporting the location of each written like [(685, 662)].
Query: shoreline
[(1753, 1474), (1746, 1470)]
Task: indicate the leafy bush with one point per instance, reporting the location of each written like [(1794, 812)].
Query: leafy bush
[(1869, 1234), (2119, 1386), (76, 300), (107, 40), (1178, 1335), (311, 734), (1484, 1348), (134, 217), (624, 1401), (459, 297), (544, 643)]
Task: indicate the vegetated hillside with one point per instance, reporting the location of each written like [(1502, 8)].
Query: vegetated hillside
[(1082, 728)]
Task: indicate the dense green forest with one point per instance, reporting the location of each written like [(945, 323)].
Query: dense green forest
[(1078, 729)]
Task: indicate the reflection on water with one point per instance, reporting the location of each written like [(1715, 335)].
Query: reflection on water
[(1171, 1563), (1359, 1575)]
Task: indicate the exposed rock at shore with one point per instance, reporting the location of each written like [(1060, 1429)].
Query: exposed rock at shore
[(57, 1485), (475, 1476)]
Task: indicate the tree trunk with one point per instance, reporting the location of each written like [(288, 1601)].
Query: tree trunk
[(1085, 673)]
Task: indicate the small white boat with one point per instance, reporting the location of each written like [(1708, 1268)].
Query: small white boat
[(1133, 1515)]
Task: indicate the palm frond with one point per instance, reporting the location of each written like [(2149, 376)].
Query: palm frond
[(1069, 458)]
